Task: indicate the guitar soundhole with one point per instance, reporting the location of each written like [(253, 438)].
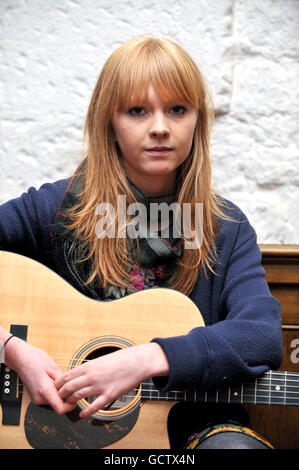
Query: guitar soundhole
[(122, 401), (123, 405), (101, 352)]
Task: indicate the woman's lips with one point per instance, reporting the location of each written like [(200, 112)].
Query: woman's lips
[(158, 151)]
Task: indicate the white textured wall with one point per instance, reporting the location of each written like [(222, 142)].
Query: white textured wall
[(51, 54)]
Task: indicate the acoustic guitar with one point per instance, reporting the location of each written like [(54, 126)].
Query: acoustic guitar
[(38, 305)]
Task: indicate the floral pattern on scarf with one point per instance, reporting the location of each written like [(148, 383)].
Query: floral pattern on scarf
[(142, 278)]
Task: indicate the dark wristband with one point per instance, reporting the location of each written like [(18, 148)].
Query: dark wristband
[(5, 342)]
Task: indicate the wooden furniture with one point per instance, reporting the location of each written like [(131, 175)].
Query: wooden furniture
[(280, 425)]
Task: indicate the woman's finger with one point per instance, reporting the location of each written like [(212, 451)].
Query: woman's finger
[(60, 406), (69, 375), (96, 405), (70, 387), (79, 394), (51, 397)]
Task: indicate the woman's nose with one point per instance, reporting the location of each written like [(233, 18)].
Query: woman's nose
[(159, 125)]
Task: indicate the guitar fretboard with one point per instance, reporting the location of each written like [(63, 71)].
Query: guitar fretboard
[(273, 388)]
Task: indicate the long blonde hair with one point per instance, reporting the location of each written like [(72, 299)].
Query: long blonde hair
[(126, 77)]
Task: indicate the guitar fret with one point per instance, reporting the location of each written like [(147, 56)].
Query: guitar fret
[(211, 396), (262, 391), (147, 390), (249, 393), (223, 394), (277, 391), (255, 385), (199, 396), (171, 396), (235, 395), (291, 389), (270, 374)]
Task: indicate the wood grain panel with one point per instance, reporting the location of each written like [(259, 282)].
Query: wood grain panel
[(280, 425)]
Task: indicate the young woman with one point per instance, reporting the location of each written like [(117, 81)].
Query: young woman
[(147, 130)]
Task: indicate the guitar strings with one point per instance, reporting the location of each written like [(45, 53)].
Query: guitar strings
[(259, 382), (294, 400), (247, 392)]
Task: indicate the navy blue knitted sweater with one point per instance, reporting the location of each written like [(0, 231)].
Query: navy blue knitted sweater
[(242, 337)]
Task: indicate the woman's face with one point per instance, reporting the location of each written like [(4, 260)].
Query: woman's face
[(155, 138)]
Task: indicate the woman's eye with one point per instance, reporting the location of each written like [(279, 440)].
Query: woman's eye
[(178, 109), (137, 111)]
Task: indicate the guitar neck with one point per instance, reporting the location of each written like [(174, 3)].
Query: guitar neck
[(273, 388)]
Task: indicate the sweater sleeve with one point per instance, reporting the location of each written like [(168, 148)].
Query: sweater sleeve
[(246, 340), (26, 222)]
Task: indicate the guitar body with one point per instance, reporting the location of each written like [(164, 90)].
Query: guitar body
[(70, 327)]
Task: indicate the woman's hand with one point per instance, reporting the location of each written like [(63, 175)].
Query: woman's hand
[(38, 373), (110, 376)]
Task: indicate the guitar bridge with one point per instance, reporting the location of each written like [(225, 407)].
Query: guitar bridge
[(11, 386)]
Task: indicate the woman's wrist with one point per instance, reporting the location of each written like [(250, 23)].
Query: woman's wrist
[(155, 359), (4, 335), (11, 352)]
